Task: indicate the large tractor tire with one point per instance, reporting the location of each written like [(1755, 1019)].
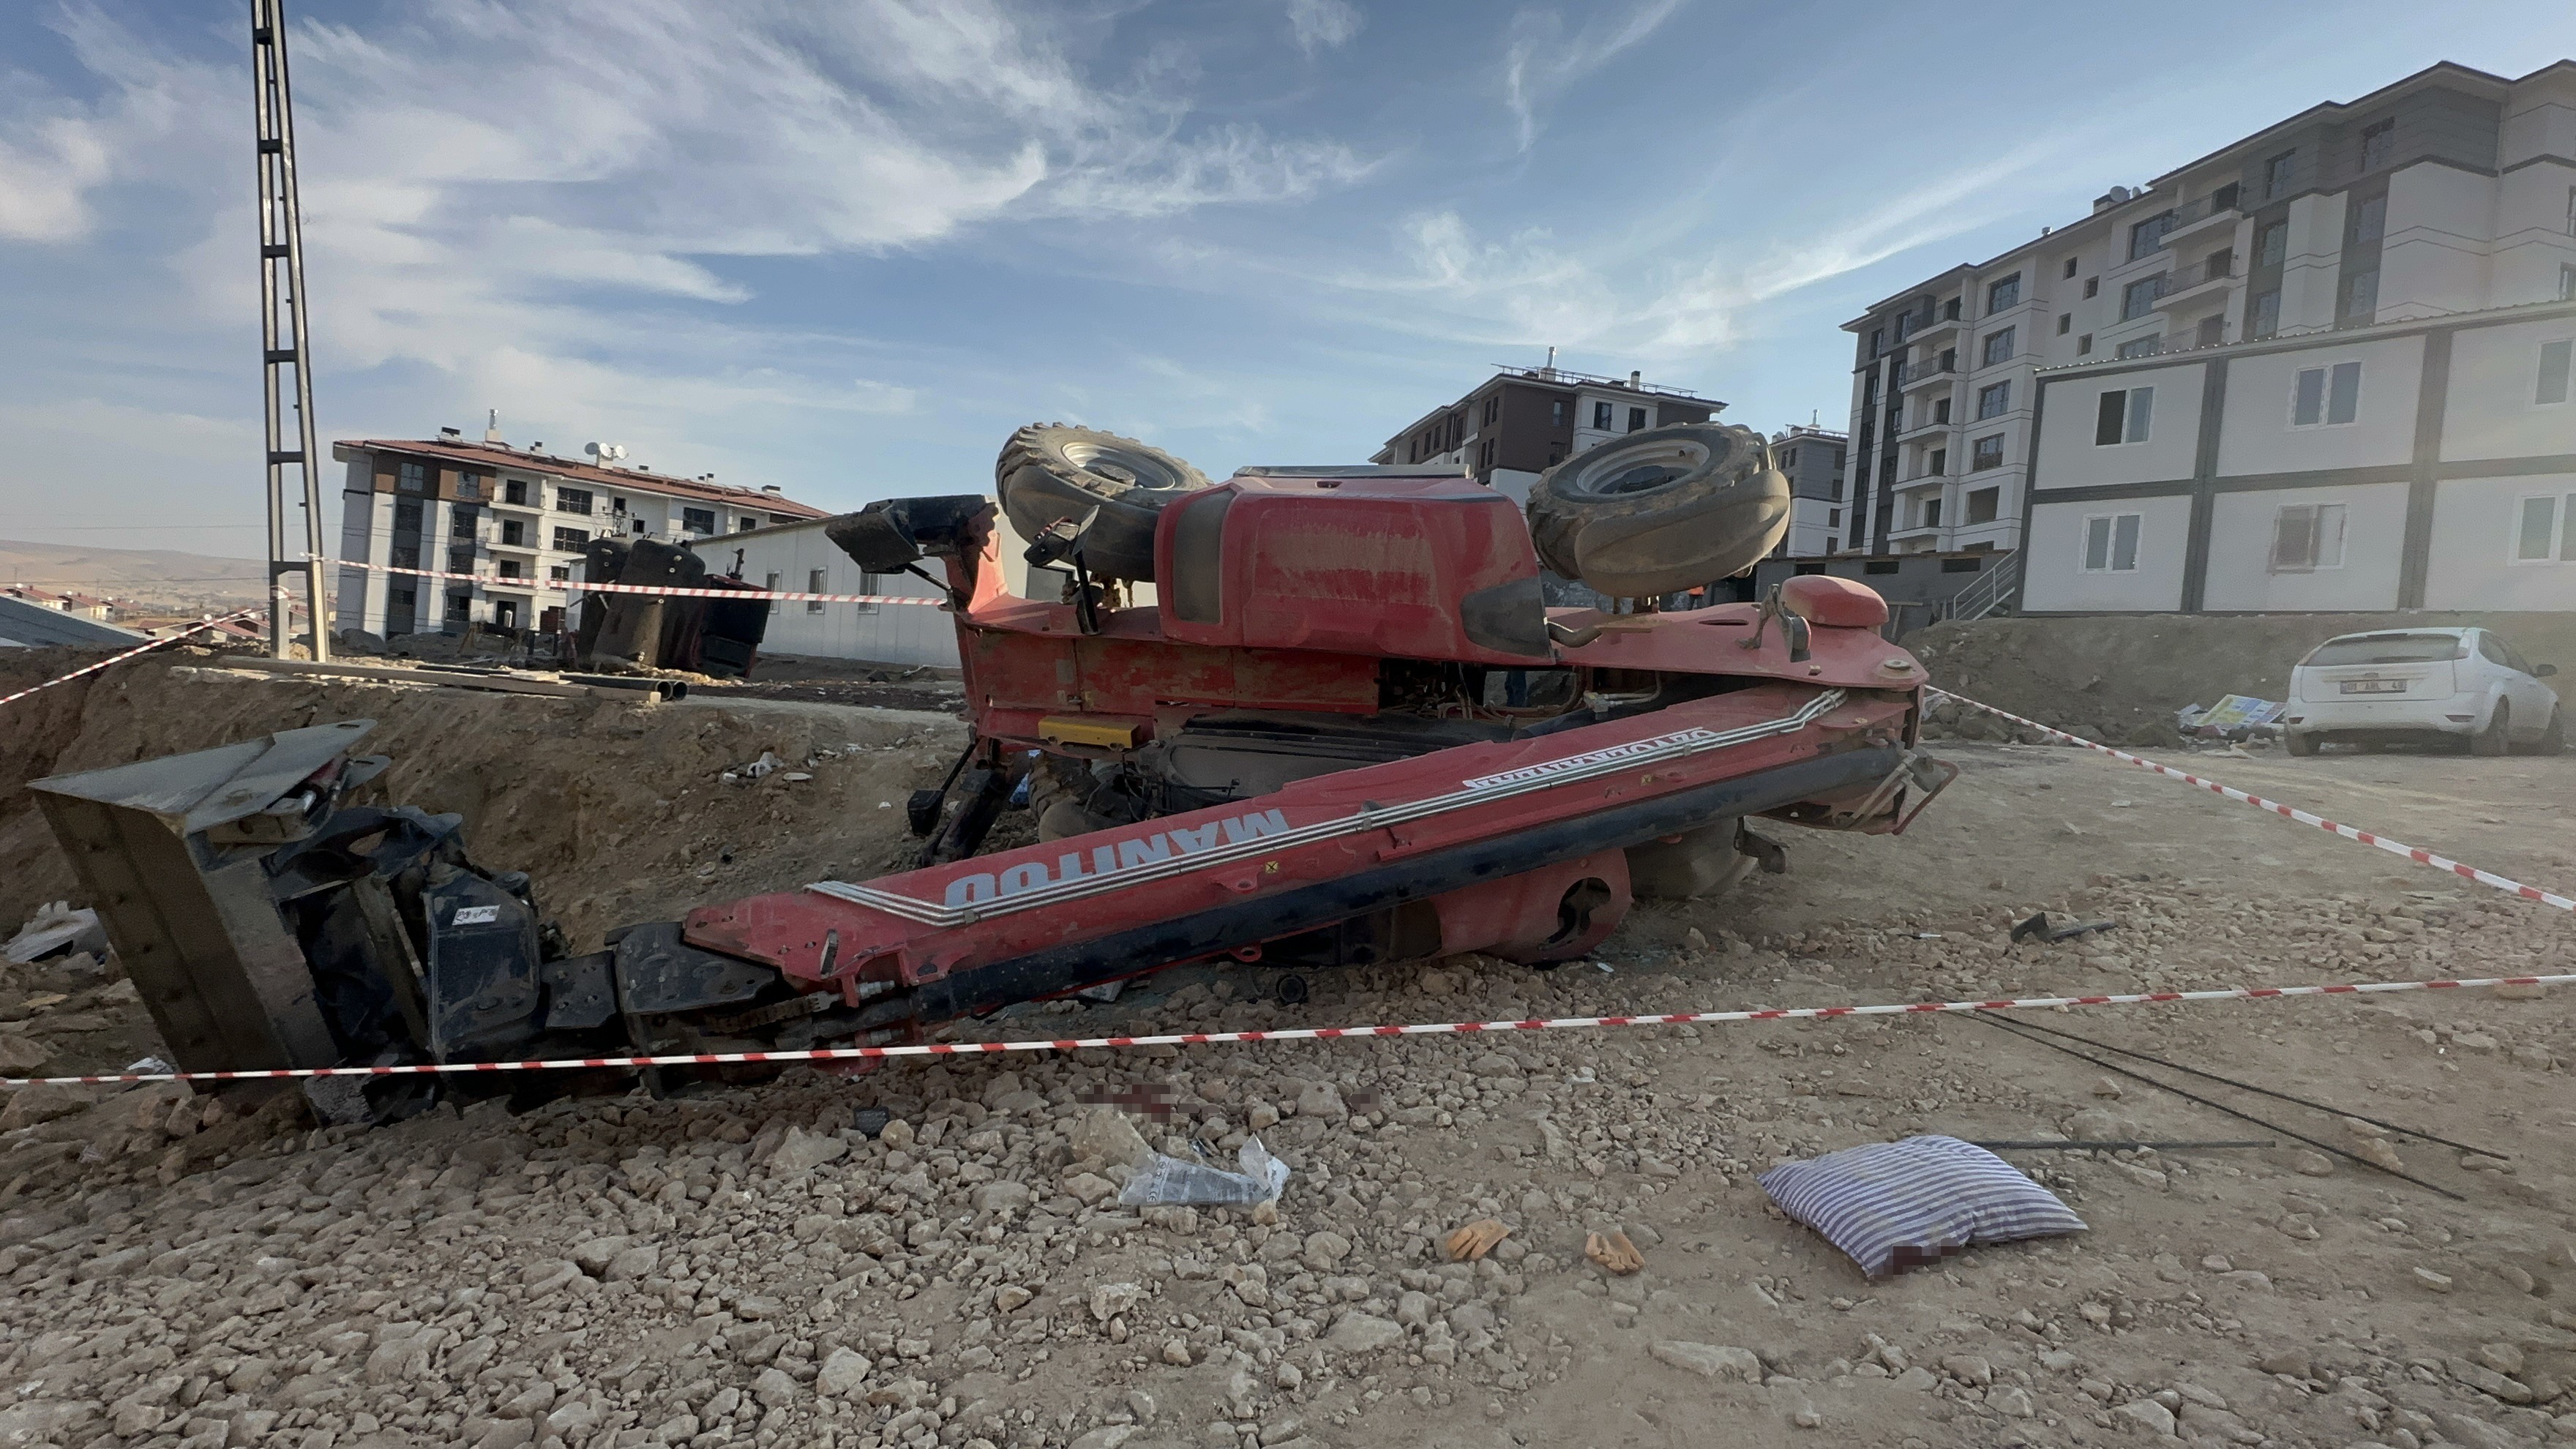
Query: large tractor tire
[(1050, 472), (1660, 511)]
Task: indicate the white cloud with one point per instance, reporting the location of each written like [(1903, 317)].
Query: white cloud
[(1323, 24), (1542, 62), (44, 176)]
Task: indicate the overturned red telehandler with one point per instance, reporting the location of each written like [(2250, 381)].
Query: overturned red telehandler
[(1346, 729)]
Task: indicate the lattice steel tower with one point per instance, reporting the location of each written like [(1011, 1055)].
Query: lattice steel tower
[(283, 340)]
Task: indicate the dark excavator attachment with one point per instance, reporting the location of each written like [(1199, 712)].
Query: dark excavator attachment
[(268, 923)]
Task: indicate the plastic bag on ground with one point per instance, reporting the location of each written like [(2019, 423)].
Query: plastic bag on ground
[(1170, 1182), (57, 928)]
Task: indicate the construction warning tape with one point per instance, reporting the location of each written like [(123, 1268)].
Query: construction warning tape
[(130, 653), (578, 587), (1302, 1033), (2393, 847)]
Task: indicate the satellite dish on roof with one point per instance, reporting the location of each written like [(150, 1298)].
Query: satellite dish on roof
[(606, 453)]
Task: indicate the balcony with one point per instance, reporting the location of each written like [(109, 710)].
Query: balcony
[(1933, 333), (2205, 216), (1941, 370), (2188, 285), (1925, 480)]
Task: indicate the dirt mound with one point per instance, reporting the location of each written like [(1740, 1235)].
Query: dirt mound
[(2122, 678), (618, 809)]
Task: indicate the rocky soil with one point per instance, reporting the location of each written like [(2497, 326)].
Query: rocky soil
[(935, 1253)]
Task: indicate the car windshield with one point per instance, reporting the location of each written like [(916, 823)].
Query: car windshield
[(2390, 649)]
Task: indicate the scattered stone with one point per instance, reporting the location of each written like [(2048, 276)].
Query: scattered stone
[(1109, 1300), (803, 1151), (2428, 1279), (844, 1372), (1709, 1361), (1105, 1135), (1359, 1332), (2313, 1164), (2145, 1416)]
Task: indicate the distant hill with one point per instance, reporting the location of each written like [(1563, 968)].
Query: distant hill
[(153, 575)]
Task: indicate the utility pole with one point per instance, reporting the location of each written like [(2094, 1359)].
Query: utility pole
[(284, 344)]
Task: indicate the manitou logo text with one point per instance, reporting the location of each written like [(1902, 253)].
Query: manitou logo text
[(1638, 749), (1176, 843)]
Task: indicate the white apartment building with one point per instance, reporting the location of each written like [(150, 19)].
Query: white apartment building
[(2446, 197), (1815, 461), (515, 519)]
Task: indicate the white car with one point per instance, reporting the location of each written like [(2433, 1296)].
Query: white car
[(2419, 684)]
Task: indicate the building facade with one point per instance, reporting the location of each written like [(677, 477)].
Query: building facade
[(1814, 460), (2451, 192), (1523, 421), (515, 519)]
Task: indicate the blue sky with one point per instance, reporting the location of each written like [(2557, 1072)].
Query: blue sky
[(845, 246)]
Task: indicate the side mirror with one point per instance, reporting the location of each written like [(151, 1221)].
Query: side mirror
[(2543, 671)]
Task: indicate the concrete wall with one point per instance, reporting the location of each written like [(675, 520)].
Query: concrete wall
[(2240, 552), (2053, 576)]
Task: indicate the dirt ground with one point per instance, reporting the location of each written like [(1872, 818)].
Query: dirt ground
[(2121, 679), (751, 1267)]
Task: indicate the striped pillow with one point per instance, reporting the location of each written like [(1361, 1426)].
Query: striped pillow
[(1897, 1205)]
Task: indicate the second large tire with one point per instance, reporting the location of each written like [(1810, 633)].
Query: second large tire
[(1049, 472), (1660, 511)]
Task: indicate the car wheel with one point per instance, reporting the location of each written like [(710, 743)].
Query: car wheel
[(2497, 736), (2553, 736), (2299, 743)]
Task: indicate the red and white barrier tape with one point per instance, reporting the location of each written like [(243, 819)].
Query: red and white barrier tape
[(1305, 1033), (2393, 847), (130, 653), (573, 586)]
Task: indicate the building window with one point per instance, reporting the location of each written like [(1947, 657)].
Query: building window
[(1936, 463), (2272, 243), (2123, 416), (698, 520), (2003, 295), (2211, 331), (2278, 173), (745, 525), (515, 490), (2139, 297), (571, 540), (1487, 452), (1601, 416), (514, 534), (1878, 565), (2378, 143), (2360, 297), (1962, 565), (815, 583), (1940, 410), (2092, 287), (2537, 529), (2567, 281), (769, 584), (2111, 543), (2141, 346), (1986, 452), (2369, 219), (1999, 346), (1877, 341), (1993, 399), (509, 568), (559, 573), (460, 608), (572, 500), (1491, 403), (2266, 318), (1788, 459), (469, 485), (1636, 420), (2146, 238), (2307, 537), (1932, 512), (2065, 323), (2070, 269), (2555, 360), (2084, 345), (1983, 503), (1833, 518), (412, 478), (1556, 413), (2326, 396)]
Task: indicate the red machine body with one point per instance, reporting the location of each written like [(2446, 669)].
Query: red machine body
[(1446, 812)]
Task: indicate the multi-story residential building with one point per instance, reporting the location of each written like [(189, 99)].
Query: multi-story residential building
[(2449, 193), (517, 519), (1813, 458), (1523, 421)]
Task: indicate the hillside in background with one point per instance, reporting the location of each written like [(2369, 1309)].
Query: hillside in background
[(187, 581)]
